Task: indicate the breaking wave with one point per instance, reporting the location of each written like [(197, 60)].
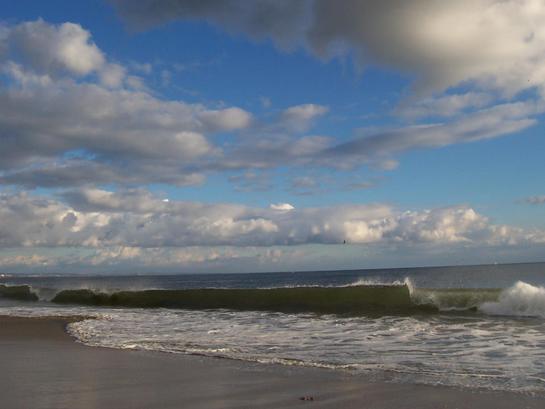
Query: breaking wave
[(521, 299), (359, 298), (18, 292)]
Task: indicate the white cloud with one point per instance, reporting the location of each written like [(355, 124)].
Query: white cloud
[(226, 119), (281, 206), (299, 118), (133, 230), (121, 132), (113, 75), (102, 121), (49, 49), (135, 218)]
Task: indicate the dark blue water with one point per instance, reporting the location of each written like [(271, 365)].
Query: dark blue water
[(481, 276)]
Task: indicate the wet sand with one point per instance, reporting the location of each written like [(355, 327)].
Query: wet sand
[(43, 367)]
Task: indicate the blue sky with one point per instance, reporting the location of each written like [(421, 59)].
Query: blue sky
[(286, 104)]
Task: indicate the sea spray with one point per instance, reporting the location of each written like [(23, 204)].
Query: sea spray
[(521, 299)]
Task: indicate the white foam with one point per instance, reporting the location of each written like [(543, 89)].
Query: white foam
[(465, 352), (521, 299), (377, 282)]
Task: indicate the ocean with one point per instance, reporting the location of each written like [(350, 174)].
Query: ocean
[(479, 327)]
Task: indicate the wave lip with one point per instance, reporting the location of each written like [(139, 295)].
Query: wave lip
[(325, 300)]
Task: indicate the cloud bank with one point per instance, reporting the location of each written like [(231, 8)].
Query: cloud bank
[(105, 228), (135, 218)]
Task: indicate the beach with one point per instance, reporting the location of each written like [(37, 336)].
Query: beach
[(43, 367)]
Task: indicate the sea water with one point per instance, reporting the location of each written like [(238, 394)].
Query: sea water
[(470, 327)]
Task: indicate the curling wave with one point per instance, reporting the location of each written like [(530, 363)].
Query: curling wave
[(18, 292), (325, 300), (359, 298)]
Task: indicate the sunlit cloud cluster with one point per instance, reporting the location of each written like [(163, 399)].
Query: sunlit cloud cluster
[(135, 218), (133, 228)]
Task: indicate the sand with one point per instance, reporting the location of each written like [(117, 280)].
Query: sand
[(43, 367)]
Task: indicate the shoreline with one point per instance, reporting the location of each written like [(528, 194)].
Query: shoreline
[(44, 367)]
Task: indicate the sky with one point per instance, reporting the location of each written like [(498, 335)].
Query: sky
[(175, 136)]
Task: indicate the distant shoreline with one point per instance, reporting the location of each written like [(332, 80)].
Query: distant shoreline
[(43, 367)]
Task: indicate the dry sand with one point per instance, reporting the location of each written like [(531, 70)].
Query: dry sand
[(42, 367)]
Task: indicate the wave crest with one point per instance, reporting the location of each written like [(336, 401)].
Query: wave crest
[(327, 300), (361, 297), (521, 299), (18, 292)]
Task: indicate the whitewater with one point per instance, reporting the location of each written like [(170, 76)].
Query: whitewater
[(409, 325)]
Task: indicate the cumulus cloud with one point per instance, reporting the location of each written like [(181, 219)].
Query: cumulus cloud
[(49, 49), (226, 119), (45, 121), (134, 218), (299, 117), (282, 206), (113, 75), (133, 230), (55, 126)]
